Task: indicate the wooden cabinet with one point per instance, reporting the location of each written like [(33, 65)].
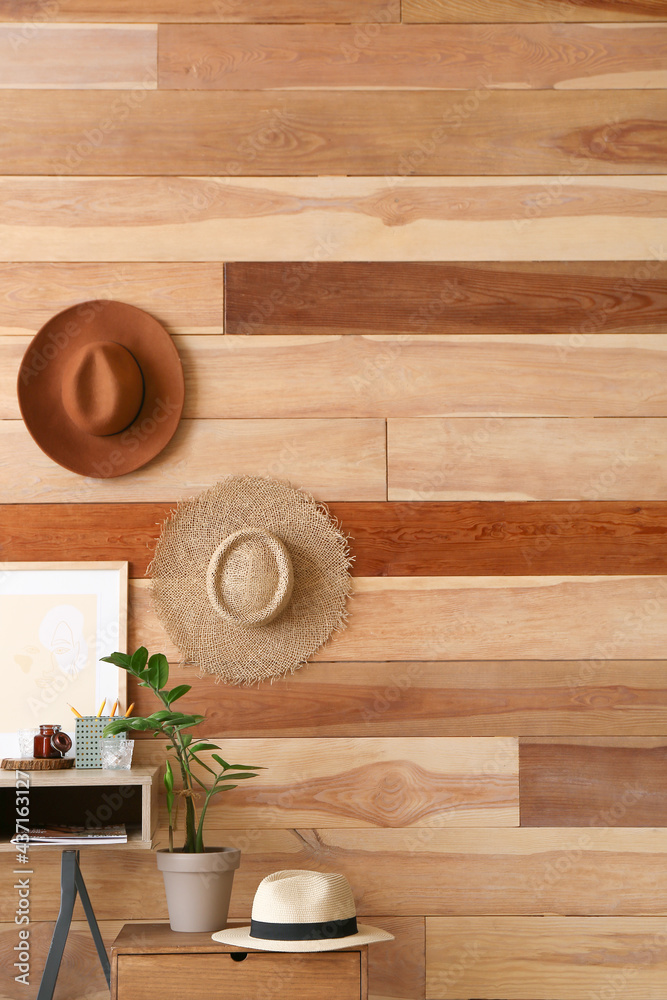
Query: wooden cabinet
[(152, 962), (90, 797)]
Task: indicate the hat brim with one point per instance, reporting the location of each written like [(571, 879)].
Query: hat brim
[(240, 937), (40, 382)]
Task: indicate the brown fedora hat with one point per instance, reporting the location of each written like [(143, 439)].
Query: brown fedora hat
[(101, 388)]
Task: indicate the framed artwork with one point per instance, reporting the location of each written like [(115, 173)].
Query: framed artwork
[(56, 621)]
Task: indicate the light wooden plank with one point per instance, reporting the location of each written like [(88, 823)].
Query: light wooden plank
[(597, 783), (411, 872), (304, 132), (422, 698), (524, 958), (366, 783), (346, 298), (429, 538), (459, 57), (341, 218), (187, 298), (500, 458), (61, 57), (398, 376), (451, 11), (31, 12), (473, 618), (397, 968), (352, 466)]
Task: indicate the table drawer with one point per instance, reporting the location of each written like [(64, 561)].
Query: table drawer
[(320, 976)]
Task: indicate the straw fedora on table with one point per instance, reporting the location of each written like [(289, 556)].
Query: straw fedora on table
[(250, 578), (303, 911), (101, 388)]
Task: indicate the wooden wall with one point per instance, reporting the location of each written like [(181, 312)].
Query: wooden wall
[(413, 257)]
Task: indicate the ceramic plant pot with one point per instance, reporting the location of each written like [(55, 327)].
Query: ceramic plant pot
[(198, 887)]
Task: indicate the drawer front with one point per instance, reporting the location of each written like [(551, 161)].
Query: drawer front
[(260, 976)]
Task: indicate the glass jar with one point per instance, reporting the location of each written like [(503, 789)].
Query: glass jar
[(51, 742)]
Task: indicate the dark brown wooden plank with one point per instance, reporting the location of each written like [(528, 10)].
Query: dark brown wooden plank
[(584, 784), (456, 57), (451, 11), (203, 11), (578, 298), (318, 132), (388, 539), (429, 699)]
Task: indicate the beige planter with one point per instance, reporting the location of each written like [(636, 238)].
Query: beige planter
[(198, 887)]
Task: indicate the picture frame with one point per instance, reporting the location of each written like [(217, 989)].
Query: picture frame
[(57, 619)]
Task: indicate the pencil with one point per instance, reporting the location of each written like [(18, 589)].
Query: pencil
[(129, 710), (78, 714), (113, 710), (101, 708)]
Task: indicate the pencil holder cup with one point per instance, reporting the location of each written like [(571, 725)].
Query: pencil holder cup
[(88, 731)]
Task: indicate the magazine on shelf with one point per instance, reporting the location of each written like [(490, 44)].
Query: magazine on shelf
[(63, 835)]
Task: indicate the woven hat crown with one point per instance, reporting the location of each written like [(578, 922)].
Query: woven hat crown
[(301, 897)]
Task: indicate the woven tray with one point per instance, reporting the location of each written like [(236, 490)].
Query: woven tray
[(37, 764)]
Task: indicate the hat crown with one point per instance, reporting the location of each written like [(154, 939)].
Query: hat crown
[(102, 388), (250, 577), (302, 897)]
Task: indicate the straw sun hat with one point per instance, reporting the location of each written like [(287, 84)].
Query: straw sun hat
[(250, 578), (303, 911)]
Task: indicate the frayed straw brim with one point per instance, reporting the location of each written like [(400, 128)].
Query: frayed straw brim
[(240, 938), (318, 550)]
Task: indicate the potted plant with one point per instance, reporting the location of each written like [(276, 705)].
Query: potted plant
[(198, 879)]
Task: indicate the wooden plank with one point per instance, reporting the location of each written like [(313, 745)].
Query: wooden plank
[(397, 968), (451, 11), (333, 218), (459, 57), (387, 538), (475, 618), (465, 698), (324, 297), (303, 133), (365, 782), (616, 375), (501, 458), (599, 785), (411, 872), (202, 11), (59, 57), (202, 451), (522, 958), (184, 297)]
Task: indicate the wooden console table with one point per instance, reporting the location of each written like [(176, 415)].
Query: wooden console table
[(152, 962)]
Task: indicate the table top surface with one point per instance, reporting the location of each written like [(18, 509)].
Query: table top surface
[(141, 939)]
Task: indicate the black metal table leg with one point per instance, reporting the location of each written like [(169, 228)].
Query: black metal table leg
[(71, 881)]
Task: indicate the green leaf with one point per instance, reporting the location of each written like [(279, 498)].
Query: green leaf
[(237, 777), (201, 763), (203, 746), (142, 724), (169, 777), (158, 667), (178, 692), (248, 767), (118, 659), (222, 788), (186, 739), (139, 659), (118, 726), (223, 763)]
